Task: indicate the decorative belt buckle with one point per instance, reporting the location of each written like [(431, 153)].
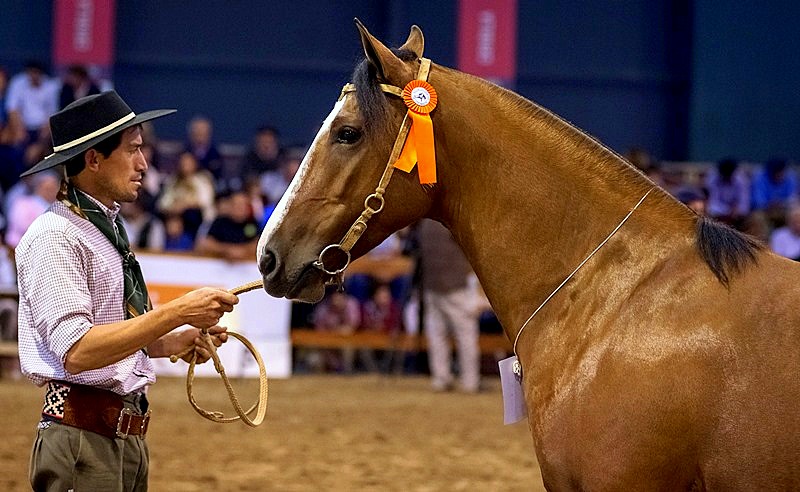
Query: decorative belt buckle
[(122, 413)]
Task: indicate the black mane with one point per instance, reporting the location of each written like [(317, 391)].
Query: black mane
[(725, 250), (371, 99)]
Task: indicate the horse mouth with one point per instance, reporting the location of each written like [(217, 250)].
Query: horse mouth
[(308, 285)]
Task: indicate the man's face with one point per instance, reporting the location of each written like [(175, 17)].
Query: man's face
[(120, 174)]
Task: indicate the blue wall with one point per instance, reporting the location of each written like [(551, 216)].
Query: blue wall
[(685, 80), (746, 86)]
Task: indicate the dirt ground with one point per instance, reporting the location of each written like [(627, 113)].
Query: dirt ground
[(321, 433)]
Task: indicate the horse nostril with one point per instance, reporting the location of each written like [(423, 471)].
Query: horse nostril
[(267, 263)]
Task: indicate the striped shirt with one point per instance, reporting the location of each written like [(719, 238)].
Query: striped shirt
[(70, 279)]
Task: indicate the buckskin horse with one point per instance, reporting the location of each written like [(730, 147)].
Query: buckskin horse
[(667, 360)]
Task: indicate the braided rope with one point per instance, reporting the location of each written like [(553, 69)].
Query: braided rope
[(263, 390)]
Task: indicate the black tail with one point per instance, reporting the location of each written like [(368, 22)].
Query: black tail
[(725, 250)]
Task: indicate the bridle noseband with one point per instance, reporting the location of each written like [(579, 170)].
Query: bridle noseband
[(374, 203)]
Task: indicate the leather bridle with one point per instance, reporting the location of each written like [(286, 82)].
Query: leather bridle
[(375, 202)]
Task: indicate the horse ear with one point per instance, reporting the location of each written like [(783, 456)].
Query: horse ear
[(390, 68), (415, 42)]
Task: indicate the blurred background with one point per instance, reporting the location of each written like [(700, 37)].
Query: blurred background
[(701, 95), (686, 80)]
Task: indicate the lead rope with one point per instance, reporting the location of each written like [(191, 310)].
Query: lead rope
[(263, 389)]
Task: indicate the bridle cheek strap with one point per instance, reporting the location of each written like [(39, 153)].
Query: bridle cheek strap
[(374, 203)]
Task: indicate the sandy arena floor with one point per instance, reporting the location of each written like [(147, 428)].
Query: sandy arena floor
[(321, 433)]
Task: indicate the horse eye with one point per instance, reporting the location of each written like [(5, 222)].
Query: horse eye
[(348, 135)]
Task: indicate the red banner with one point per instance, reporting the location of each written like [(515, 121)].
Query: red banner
[(487, 39), (83, 32)]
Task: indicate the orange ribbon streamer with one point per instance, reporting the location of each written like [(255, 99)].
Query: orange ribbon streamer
[(421, 99)]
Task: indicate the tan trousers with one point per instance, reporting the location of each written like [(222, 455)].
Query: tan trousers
[(67, 458), (452, 313)]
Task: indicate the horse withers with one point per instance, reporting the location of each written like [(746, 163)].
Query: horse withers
[(667, 361)]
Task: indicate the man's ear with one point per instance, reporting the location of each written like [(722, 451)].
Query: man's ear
[(91, 160)]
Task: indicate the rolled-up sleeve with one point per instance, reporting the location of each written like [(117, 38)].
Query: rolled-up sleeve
[(58, 293)]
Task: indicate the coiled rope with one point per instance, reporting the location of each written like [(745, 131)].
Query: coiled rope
[(260, 405)]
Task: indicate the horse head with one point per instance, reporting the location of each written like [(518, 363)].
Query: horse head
[(337, 184)]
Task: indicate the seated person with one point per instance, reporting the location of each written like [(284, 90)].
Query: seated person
[(360, 285), (200, 143), (145, 230), (785, 240), (234, 234), (380, 313), (773, 188), (176, 237), (338, 313), (189, 193)]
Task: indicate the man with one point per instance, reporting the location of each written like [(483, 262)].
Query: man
[(77, 84), (234, 233), (450, 306), (32, 97), (200, 142), (24, 209), (264, 155), (86, 330)]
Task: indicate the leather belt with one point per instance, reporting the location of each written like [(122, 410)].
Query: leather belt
[(93, 409)]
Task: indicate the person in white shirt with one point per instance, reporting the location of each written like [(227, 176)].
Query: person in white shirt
[(32, 97), (785, 240)]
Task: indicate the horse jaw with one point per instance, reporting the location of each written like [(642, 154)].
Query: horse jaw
[(286, 268)]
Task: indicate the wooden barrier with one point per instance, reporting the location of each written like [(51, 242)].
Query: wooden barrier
[(304, 337)]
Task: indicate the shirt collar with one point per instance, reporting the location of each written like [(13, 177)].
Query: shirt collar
[(111, 213)]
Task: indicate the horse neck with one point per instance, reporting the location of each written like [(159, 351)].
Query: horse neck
[(528, 196)]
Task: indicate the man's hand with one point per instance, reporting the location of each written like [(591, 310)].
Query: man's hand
[(203, 307), (193, 337)]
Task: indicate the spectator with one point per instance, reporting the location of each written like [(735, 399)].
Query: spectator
[(728, 192), (76, 84), (693, 198), (449, 307), (200, 143), (25, 208), (177, 238), (188, 194), (39, 148), (785, 240), (234, 233), (338, 313), (258, 204), (3, 89), (32, 97), (274, 183), (153, 177), (264, 155), (9, 366), (380, 313), (773, 187), (145, 230), (12, 153), (359, 285)]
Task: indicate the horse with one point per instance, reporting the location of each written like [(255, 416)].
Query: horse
[(667, 360)]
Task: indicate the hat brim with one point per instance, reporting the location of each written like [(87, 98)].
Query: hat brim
[(61, 157)]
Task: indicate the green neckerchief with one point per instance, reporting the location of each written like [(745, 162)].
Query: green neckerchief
[(136, 299)]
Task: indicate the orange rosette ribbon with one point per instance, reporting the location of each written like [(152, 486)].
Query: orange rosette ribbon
[(421, 98)]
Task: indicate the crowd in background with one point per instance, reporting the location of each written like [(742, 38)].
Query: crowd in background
[(196, 198)]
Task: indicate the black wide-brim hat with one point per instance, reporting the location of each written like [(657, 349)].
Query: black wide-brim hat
[(87, 121)]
